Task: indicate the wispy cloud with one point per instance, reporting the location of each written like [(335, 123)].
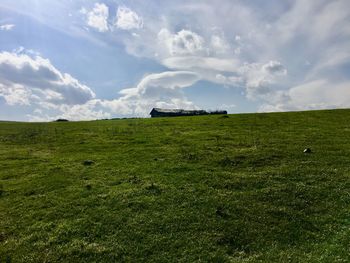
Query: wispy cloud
[(26, 80), (127, 19), (262, 51), (7, 27)]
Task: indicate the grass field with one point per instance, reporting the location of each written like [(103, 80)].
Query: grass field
[(186, 189)]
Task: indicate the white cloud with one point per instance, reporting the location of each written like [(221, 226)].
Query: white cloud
[(184, 42), (228, 106), (201, 62), (318, 94), (251, 49), (7, 27), (28, 80), (219, 45), (259, 78), (97, 18), (213, 59), (128, 19), (274, 68), (15, 94), (91, 110), (256, 78), (216, 70), (237, 51), (162, 90), (317, 21), (155, 90)]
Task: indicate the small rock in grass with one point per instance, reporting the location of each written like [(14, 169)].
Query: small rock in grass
[(307, 150), (88, 162)]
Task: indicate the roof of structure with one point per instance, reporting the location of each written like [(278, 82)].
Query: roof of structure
[(167, 110), (175, 110)]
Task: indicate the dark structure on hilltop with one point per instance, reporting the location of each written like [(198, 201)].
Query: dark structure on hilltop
[(157, 112)]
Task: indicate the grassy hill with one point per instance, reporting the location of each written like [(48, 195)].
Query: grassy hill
[(208, 188)]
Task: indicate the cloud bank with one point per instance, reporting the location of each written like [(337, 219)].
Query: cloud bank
[(27, 80), (273, 53)]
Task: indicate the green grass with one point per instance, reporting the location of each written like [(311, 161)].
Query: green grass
[(187, 189)]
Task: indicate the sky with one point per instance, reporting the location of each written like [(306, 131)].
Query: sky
[(85, 60)]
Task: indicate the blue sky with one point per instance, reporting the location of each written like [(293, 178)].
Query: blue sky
[(85, 60)]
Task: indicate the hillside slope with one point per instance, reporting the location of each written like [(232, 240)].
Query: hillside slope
[(208, 188)]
